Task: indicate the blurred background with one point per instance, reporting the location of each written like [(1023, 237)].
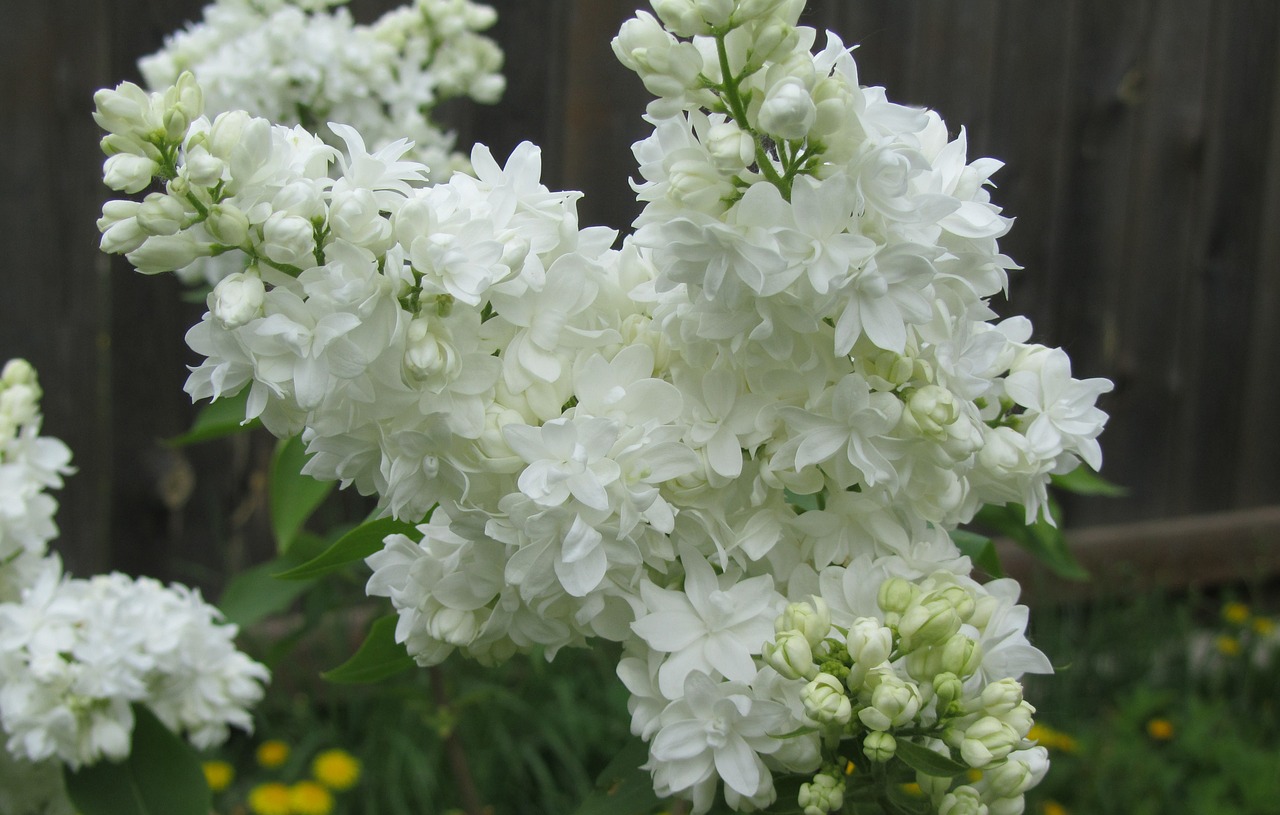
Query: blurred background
[(1142, 143)]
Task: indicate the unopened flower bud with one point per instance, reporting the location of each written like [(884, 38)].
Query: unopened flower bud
[(987, 740), (930, 410), (1001, 696), (960, 598), (166, 253), (453, 626), (811, 619), (824, 794), (790, 655), (962, 801), (773, 41), (1020, 719), (19, 404), (731, 148), (237, 299), (228, 225), (681, 17), (825, 701), (927, 623), (18, 371), (869, 643), (227, 132), (879, 746), (119, 226), (893, 702), (960, 655), (788, 111), (204, 169), (717, 13), (161, 214), (288, 239), (129, 173), (896, 595), (1010, 779), (948, 688), (176, 123)]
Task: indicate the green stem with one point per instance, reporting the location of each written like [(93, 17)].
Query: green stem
[(738, 111)]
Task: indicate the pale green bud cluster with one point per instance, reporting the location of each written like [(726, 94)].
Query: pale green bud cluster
[(19, 399), (143, 130), (911, 675), (825, 793)]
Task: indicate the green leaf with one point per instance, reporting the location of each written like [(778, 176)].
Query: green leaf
[(1044, 541), (222, 417), (161, 776), (623, 788), (294, 496), (357, 544), (805, 503), (1084, 481), (980, 549), (909, 801), (257, 593), (922, 759), (377, 658)]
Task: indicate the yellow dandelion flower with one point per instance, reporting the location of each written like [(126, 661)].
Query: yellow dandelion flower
[(1227, 646), (272, 753), (218, 775), (1053, 808), (336, 769), (271, 798), (310, 798), (1160, 729), (1264, 626), (1053, 739), (1235, 613)]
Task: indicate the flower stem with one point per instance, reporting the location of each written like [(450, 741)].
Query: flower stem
[(458, 763)]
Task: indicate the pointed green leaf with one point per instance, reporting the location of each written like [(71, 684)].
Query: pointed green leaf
[(922, 759), (980, 549), (1044, 541), (222, 417), (623, 788), (294, 496), (161, 776), (257, 593), (357, 544), (1084, 481), (378, 657)]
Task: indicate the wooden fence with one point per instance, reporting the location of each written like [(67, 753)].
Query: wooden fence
[(1142, 142)]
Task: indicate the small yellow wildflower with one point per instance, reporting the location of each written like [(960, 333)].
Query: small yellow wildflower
[(218, 775), (849, 768), (913, 789), (973, 775), (1264, 626), (271, 798), (1235, 613), (310, 798), (1160, 729), (1228, 646), (1053, 808), (1052, 739), (336, 769), (272, 753)]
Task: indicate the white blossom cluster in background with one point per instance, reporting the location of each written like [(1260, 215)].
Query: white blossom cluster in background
[(735, 444), (75, 654), (30, 464), (307, 62)]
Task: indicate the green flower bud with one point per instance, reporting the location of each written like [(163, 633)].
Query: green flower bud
[(825, 793), (948, 688), (896, 595), (228, 225), (893, 702), (960, 655), (962, 801), (790, 655), (879, 746), (825, 701), (928, 623), (161, 214), (987, 740), (19, 372), (1001, 697), (813, 621), (930, 409)]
